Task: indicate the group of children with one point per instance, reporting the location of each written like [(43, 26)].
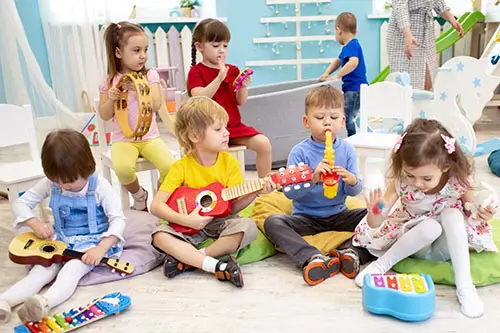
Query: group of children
[(429, 175)]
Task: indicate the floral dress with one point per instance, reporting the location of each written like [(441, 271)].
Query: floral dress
[(416, 206)]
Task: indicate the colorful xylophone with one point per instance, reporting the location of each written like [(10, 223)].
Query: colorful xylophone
[(409, 297), (99, 308)]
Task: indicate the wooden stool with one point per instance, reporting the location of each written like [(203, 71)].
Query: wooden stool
[(239, 152)]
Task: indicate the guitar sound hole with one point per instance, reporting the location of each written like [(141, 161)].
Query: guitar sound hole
[(48, 248), (206, 201)]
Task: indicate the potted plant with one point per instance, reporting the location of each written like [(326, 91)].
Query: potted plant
[(188, 5)]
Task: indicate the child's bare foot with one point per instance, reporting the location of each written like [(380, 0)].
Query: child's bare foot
[(34, 309)]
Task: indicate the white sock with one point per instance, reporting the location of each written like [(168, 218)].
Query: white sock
[(453, 225), (209, 264), (421, 235), (5, 312), (140, 199), (202, 251), (373, 268)]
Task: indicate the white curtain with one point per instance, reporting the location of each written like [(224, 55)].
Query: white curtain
[(74, 45), (21, 74)]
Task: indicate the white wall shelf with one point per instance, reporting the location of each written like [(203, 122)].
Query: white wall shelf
[(379, 16), (291, 39), (285, 62), (281, 19), (175, 19), (283, 2)]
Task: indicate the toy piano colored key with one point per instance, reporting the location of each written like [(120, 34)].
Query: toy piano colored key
[(33, 327), (419, 284), (61, 321), (392, 282), (53, 325), (404, 283), (43, 327), (378, 280)]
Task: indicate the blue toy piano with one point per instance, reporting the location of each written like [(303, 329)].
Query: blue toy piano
[(408, 297)]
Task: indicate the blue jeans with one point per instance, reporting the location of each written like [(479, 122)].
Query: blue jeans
[(351, 110)]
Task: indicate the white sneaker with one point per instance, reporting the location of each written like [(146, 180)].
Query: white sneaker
[(5, 312), (34, 309)]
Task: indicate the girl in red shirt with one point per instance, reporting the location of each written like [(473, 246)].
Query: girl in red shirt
[(213, 78)]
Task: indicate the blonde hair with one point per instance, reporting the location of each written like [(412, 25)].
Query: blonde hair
[(324, 96), (194, 117)]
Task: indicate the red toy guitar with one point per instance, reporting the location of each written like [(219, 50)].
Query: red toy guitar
[(215, 199)]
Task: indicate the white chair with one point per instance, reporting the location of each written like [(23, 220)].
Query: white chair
[(384, 100), (238, 151), (16, 129), (107, 164)]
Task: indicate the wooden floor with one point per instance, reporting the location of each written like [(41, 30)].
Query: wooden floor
[(274, 299)]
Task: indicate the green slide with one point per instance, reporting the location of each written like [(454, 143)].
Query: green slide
[(446, 39)]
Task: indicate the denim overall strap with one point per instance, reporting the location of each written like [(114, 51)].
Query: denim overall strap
[(55, 198), (92, 204)]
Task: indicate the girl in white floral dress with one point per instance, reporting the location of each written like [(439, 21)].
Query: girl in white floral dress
[(432, 178)]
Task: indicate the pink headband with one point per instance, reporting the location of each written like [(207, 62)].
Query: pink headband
[(449, 143)]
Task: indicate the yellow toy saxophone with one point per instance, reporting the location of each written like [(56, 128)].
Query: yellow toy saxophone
[(330, 181)]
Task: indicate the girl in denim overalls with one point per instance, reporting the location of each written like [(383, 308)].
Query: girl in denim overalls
[(87, 217)]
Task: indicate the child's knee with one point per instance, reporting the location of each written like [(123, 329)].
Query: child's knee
[(263, 145), (125, 173), (161, 240), (249, 233), (274, 223)]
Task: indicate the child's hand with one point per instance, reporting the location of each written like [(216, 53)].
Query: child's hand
[(323, 168), (484, 214), (347, 177), (269, 186), (222, 70), (324, 77), (196, 221), (373, 199), (114, 94), (246, 82), (94, 256), (127, 85), (41, 229)]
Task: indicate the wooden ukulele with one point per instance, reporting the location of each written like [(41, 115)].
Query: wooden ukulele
[(28, 249), (215, 199)]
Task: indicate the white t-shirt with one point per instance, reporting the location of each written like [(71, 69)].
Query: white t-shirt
[(104, 196)]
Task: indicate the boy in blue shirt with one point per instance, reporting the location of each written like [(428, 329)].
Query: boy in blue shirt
[(312, 212), (353, 71)]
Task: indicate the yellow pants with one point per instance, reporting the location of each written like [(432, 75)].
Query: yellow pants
[(125, 154)]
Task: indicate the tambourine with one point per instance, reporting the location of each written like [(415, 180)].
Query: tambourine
[(238, 82), (144, 101)]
